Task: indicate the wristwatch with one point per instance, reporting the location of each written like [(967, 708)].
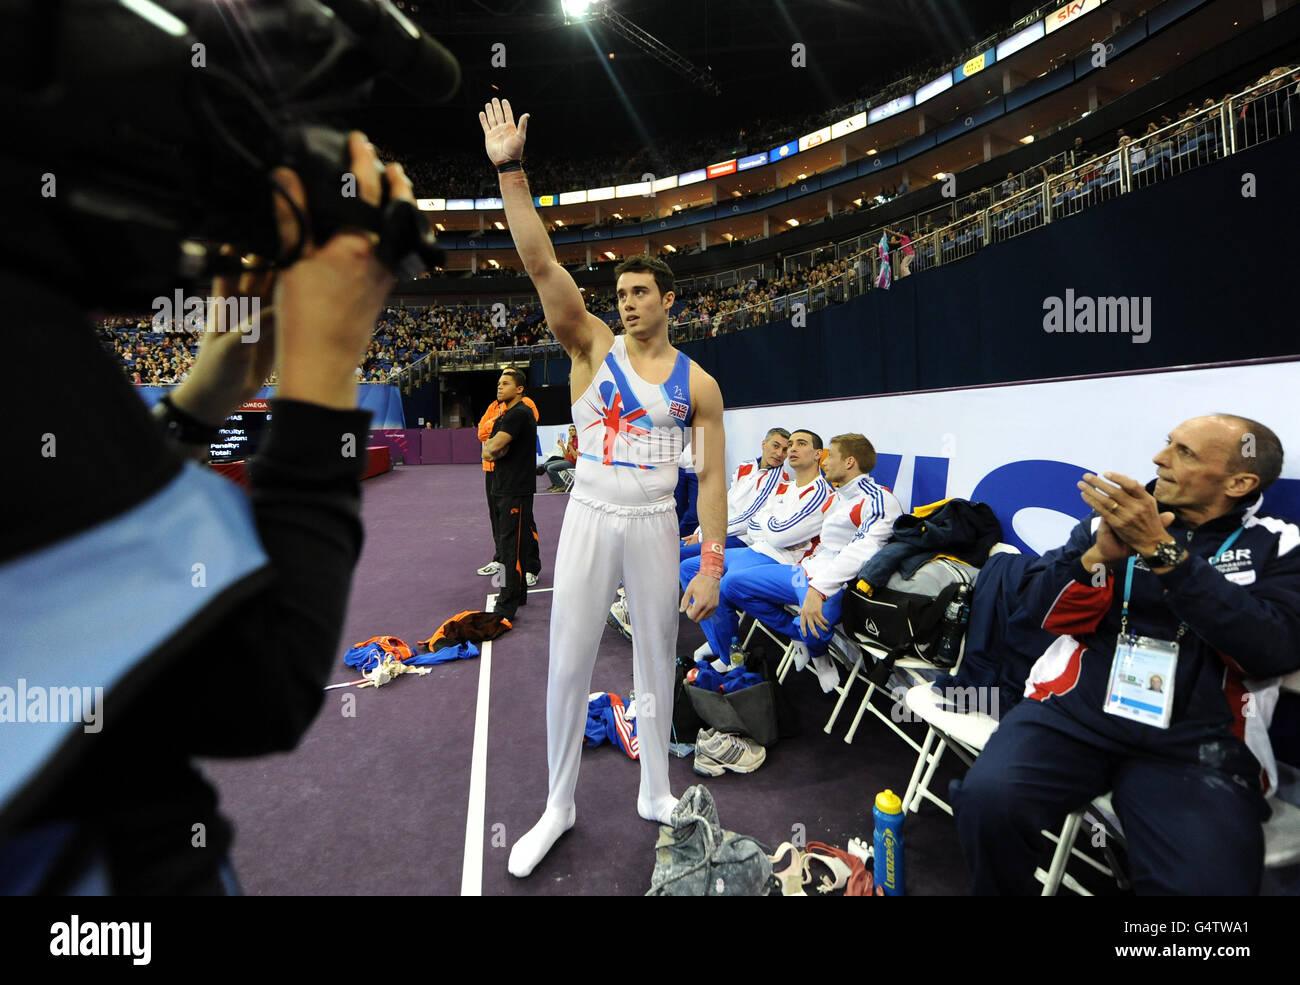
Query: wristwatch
[(181, 427), (1166, 555)]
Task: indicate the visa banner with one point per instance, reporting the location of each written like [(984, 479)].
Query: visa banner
[(1022, 448), (785, 150)]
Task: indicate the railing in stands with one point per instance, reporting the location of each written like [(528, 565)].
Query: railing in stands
[(991, 215), (1262, 112)]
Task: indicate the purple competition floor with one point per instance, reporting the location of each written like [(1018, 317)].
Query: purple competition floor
[(378, 801)]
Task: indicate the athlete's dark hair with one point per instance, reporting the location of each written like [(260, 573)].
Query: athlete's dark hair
[(816, 438), (664, 278), (517, 376)]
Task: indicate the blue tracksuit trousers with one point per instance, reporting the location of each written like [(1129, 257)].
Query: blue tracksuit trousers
[(1191, 829)]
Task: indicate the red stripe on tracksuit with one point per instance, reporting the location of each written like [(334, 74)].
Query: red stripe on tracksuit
[(1060, 685), (1235, 692), (625, 736), (1079, 609)]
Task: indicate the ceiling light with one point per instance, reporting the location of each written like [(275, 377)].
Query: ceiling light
[(575, 9), (792, 222), (499, 224), (1027, 139), (609, 254), (670, 248)]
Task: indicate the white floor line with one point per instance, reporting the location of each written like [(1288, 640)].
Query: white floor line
[(471, 877)]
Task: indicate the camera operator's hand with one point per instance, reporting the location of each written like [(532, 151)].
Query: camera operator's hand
[(327, 303), (234, 360)]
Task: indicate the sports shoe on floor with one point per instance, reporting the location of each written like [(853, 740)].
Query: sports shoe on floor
[(491, 568), (619, 619), (722, 751), (531, 579)]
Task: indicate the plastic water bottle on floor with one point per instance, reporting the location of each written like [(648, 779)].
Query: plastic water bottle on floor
[(888, 813), (737, 654)]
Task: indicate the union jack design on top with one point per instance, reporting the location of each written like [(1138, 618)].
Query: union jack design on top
[(618, 422)]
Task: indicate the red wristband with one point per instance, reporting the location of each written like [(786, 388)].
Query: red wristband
[(711, 555)]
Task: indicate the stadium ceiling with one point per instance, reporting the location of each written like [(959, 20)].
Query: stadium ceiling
[(589, 81)]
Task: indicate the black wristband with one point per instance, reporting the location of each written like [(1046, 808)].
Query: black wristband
[(182, 427), (510, 166)]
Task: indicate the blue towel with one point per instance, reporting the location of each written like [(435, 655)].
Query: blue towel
[(736, 679)]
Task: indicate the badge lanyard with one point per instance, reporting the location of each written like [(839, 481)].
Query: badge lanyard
[(1144, 669), (1128, 585)]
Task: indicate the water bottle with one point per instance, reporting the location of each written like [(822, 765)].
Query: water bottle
[(948, 646), (888, 813), (737, 654)]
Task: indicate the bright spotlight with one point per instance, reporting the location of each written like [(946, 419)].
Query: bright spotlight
[(576, 10)]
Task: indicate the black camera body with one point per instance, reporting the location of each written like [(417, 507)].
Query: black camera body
[(141, 142)]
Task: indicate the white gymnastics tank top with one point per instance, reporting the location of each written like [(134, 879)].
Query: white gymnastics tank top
[(630, 432)]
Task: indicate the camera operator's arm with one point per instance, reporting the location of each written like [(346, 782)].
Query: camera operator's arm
[(573, 325), (306, 501)]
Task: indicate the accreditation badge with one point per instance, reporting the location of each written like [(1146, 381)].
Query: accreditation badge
[(1142, 680)]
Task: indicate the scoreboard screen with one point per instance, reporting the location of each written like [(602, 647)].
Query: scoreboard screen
[(238, 438)]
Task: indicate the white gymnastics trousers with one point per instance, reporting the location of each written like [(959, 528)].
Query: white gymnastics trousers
[(599, 544)]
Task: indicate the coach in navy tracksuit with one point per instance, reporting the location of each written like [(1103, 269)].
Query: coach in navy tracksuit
[(1214, 588)]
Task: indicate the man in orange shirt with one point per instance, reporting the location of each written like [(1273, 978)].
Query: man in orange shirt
[(532, 558)]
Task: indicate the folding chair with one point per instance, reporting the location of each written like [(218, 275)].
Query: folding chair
[(903, 672), (1103, 815), (964, 734), (1281, 835), (853, 654)]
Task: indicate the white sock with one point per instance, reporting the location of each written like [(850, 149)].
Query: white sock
[(660, 810), (703, 651), (827, 676), (800, 655), (532, 847)]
